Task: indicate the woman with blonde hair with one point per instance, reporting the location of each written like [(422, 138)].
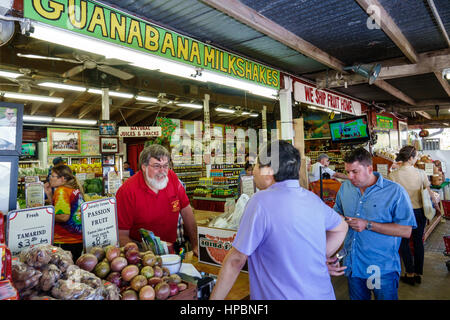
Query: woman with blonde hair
[(413, 180), (67, 198)]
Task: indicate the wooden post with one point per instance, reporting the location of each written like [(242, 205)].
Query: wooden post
[(299, 143)]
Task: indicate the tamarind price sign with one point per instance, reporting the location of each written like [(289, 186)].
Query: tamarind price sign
[(99, 223), (28, 227)]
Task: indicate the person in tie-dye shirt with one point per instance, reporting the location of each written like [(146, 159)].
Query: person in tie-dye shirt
[(67, 199)]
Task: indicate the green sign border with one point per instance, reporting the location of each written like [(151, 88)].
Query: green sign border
[(100, 21)]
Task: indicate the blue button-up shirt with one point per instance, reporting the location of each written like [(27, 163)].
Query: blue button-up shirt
[(383, 202)]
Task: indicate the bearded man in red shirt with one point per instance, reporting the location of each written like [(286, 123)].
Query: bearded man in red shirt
[(152, 199)]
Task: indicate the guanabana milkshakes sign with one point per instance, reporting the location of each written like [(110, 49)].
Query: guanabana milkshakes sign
[(97, 20)]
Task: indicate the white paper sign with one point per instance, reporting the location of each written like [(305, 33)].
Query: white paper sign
[(34, 194), (383, 170), (99, 221), (429, 169), (30, 227), (30, 179), (114, 182), (81, 176), (247, 185), (139, 131)]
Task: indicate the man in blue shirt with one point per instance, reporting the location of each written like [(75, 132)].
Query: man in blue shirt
[(379, 213)]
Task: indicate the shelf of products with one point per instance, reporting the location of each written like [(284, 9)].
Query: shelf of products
[(336, 158), (190, 175)]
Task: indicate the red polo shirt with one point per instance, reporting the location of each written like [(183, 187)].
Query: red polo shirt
[(139, 207)]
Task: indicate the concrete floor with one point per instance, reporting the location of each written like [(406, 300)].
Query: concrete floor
[(436, 278)]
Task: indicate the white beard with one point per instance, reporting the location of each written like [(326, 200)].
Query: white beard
[(158, 184)]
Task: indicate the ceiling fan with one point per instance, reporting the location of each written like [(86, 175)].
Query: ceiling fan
[(25, 81), (86, 61)]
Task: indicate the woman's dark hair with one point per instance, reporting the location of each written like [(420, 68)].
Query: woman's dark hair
[(284, 159), (406, 153), (248, 165), (359, 154)]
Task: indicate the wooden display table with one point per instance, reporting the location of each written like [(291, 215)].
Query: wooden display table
[(209, 203)]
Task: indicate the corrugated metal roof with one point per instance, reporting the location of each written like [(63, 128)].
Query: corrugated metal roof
[(197, 20), (420, 87)]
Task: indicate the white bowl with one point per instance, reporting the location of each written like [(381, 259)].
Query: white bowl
[(171, 262)]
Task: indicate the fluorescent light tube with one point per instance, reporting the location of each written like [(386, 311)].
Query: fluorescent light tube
[(9, 74), (190, 105), (225, 110), (75, 121), (33, 97), (112, 93), (245, 113), (254, 115), (146, 99), (62, 86), (37, 119)]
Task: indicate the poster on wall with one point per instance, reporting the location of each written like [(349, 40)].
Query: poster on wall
[(64, 141), (10, 128), (8, 188), (316, 125)]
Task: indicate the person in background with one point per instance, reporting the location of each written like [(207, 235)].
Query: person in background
[(379, 213), (247, 171), (10, 118), (323, 162), (413, 180), (126, 167), (58, 161), (283, 213), (153, 199), (67, 198)]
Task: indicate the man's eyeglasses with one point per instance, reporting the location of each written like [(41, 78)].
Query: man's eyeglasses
[(159, 167)]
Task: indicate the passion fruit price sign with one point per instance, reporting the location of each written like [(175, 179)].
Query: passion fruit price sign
[(99, 222), (29, 227)]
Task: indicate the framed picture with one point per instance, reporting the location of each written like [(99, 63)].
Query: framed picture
[(107, 127), (11, 115), (106, 170), (109, 145), (108, 159), (8, 188), (64, 141)]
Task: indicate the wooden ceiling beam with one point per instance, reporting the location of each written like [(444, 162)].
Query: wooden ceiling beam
[(255, 20), (391, 29), (444, 82), (67, 103)]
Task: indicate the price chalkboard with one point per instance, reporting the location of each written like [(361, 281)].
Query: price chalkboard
[(99, 222), (29, 227)]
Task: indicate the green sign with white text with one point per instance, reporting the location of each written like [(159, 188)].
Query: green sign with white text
[(99, 21), (385, 122)]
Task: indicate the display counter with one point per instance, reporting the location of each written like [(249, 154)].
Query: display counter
[(240, 289)]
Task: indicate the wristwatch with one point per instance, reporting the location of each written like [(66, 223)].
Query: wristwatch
[(369, 225)]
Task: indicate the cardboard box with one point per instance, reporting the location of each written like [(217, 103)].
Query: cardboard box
[(214, 244)]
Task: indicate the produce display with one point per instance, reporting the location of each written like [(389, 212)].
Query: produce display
[(138, 275), (24, 172), (47, 272), (93, 186), (86, 168)]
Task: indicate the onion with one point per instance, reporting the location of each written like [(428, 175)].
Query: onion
[(129, 272), (132, 256), (173, 289), (130, 245), (112, 253), (147, 272), (175, 278), (147, 293), (129, 295), (118, 264), (87, 262)]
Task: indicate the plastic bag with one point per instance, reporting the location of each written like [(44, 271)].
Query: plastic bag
[(231, 220)]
